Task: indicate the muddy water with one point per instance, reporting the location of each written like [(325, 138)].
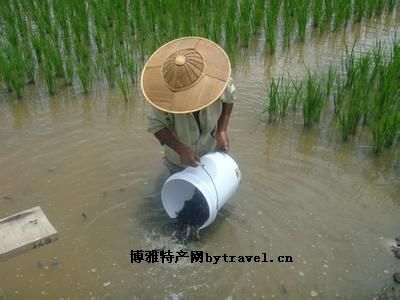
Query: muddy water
[(89, 163)]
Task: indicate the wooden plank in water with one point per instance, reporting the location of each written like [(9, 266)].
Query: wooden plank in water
[(26, 230)]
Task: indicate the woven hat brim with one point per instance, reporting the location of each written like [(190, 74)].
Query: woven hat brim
[(209, 88)]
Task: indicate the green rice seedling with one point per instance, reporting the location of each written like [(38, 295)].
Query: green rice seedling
[(385, 128), (352, 113), (68, 70), (343, 126), (137, 16), (131, 65), (295, 91), (380, 7), (98, 13), (83, 65), (4, 68), (231, 31), (376, 80), (361, 90), (328, 14), (35, 40), (391, 5), (272, 13), (12, 68), (175, 18), (49, 75), (163, 25), (313, 99), (48, 69), (384, 117), (187, 25), (57, 57), (285, 98), (45, 15), (288, 20), (108, 65), (258, 15), (330, 78), (347, 11), (108, 59), (28, 61), (79, 23), (59, 8), (122, 82), (354, 107), (301, 7), (216, 29), (273, 99), (371, 6), (359, 9), (317, 9), (349, 65), (122, 73), (206, 24), (20, 21), (392, 127), (338, 96), (84, 77), (244, 19), (297, 95), (9, 26), (340, 11)]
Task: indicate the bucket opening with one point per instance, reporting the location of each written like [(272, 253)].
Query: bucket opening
[(195, 211)]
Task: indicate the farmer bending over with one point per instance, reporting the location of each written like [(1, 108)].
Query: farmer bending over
[(187, 82)]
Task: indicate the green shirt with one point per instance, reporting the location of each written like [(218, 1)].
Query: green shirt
[(184, 126)]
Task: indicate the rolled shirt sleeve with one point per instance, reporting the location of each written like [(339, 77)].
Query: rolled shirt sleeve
[(157, 120), (229, 95)]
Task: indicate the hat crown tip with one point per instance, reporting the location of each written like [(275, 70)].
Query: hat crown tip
[(180, 60), (183, 69)]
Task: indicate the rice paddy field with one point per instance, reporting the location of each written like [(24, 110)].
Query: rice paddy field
[(315, 131)]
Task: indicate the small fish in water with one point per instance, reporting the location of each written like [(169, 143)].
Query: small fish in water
[(39, 265), (55, 263), (283, 288), (52, 169), (84, 216)]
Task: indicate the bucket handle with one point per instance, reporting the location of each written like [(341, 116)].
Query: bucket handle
[(215, 188)]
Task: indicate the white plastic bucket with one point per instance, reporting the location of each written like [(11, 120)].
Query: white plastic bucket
[(217, 178)]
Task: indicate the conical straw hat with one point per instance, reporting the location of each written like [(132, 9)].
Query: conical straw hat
[(185, 75)]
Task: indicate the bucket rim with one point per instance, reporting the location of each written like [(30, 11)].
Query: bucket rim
[(190, 178)]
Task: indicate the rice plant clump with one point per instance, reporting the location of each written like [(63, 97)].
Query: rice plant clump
[(370, 93), (313, 99), (273, 99), (272, 12), (77, 41)]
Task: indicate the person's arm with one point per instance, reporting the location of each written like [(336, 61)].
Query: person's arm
[(221, 134), (158, 124), (187, 155)]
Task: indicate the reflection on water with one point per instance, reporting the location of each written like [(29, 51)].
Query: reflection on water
[(90, 164)]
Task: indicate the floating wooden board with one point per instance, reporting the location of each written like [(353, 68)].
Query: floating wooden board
[(26, 230)]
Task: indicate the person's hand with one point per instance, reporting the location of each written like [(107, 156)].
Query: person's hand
[(188, 157), (222, 141)]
